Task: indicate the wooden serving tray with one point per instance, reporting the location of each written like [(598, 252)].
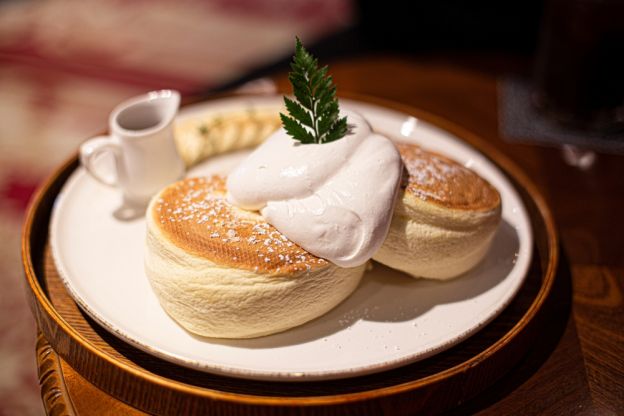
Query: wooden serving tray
[(159, 387)]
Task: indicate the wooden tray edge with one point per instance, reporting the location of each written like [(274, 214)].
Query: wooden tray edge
[(53, 324)]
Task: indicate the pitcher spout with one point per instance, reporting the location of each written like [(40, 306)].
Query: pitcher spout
[(146, 114), (167, 102)]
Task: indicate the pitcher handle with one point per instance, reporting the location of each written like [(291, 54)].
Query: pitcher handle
[(94, 147)]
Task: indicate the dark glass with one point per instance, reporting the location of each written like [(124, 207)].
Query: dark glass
[(579, 71)]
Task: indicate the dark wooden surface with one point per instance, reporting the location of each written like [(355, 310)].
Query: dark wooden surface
[(576, 363)]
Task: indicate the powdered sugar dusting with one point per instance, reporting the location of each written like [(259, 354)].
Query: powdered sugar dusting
[(196, 216), (438, 179)]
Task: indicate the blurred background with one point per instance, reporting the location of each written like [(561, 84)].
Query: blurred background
[(64, 64)]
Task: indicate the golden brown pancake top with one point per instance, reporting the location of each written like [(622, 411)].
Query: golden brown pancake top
[(437, 179), (195, 216)]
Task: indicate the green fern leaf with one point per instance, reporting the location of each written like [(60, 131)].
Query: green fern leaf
[(296, 130), (313, 117)]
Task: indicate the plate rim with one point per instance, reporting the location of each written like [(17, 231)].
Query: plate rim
[(503, 164)]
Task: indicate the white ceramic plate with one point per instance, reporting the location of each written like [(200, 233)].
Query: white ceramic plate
[(389, 321)]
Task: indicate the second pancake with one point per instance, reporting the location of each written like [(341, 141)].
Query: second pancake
[(444, 219)]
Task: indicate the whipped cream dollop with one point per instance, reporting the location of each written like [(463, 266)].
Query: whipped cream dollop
[(334, 199)]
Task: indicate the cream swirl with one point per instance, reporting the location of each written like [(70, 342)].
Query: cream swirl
[(335, 199)]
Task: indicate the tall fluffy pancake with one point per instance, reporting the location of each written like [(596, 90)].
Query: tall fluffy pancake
[(444, 219), (223, 272)]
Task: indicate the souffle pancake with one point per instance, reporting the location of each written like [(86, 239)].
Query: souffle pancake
[(220, 271), (444, 218)]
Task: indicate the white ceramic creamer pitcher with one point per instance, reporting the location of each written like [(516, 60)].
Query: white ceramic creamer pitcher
[(141, 142)]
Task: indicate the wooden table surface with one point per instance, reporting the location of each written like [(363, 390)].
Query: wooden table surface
[(577, 366)]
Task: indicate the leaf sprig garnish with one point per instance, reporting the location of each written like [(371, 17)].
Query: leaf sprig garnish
[(314, 114)]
